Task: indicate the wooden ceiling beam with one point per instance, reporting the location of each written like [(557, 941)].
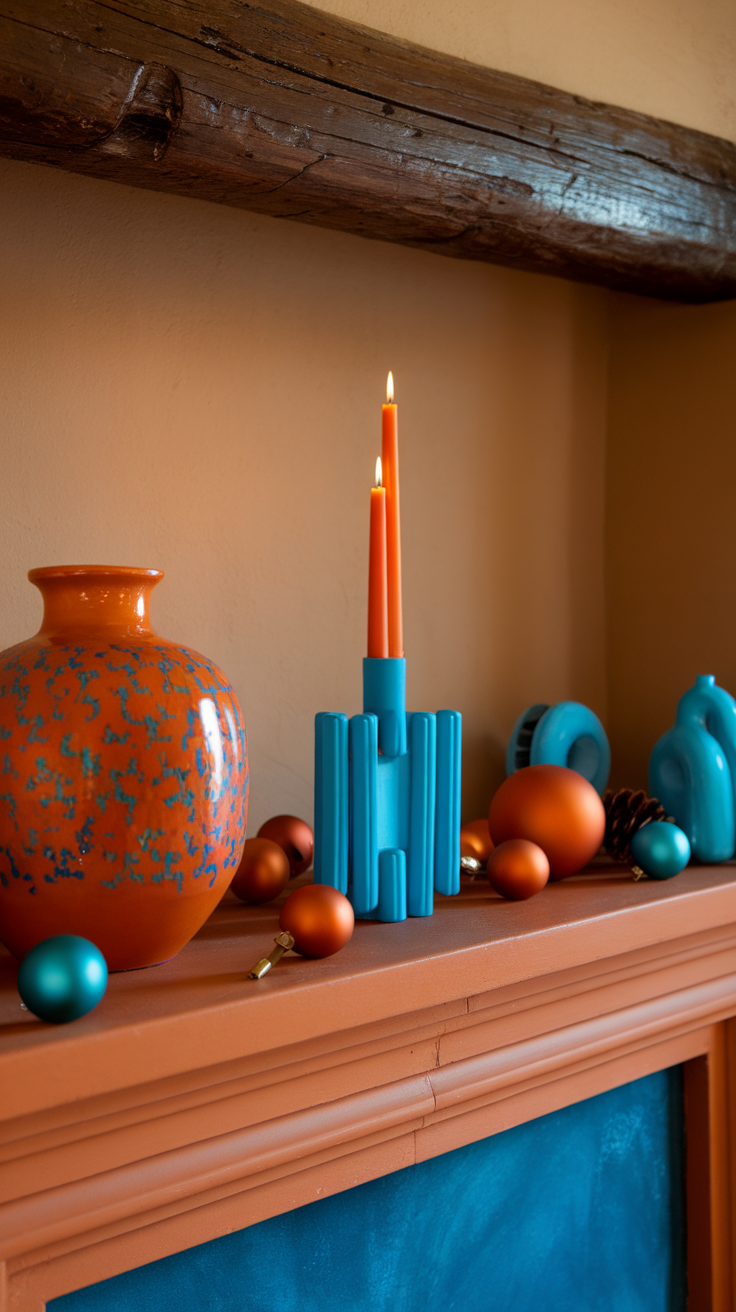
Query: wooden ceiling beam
[(298, 114)]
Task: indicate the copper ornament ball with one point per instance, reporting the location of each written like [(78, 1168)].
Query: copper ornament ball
[(555, 808), (517, 869), (320, 918), (475, 840), (263, 872), (294, 836)]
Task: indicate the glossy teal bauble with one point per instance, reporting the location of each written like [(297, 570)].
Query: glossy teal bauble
[(660, 849), (62, 978)]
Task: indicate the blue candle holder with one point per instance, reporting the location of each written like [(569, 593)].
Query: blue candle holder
[(387, 799)]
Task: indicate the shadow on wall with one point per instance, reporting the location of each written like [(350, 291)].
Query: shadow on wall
[(578, 1210), (550, 627), (516, 576), (671, 489)]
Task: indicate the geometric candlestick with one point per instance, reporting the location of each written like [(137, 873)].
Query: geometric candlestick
[(387, 799)]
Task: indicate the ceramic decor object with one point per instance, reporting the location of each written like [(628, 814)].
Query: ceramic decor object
[(692, 770), (123, 775), (387, 800), (568, 734)]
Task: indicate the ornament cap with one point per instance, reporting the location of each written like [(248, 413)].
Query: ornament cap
[(284, 943)]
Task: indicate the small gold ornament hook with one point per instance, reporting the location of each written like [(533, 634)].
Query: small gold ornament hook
[(284, 942), (638, 874), (470, 866)]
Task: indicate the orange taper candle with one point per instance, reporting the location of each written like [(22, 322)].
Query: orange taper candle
[(377, 598), (390, 453)]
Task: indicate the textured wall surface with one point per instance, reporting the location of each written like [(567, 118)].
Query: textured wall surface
[(579, 1211), (671, 550), (199, 389)]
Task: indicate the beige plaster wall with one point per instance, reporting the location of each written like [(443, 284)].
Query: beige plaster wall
[(671, 548), (197, 388)]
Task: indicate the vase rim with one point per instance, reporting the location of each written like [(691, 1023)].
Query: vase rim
[(100, 571), (89, 599)]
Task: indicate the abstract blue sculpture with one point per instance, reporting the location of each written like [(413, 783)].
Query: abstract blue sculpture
[(692, 770), (387, 799)]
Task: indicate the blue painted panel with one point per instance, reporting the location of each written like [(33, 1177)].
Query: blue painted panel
[(579, 1211)]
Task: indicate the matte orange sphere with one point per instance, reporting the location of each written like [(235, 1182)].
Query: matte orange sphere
[(320, 918), (263, 872), (296, 838), (554, 807), (517, 869), (475, 840)]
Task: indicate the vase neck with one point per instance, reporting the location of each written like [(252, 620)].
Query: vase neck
[(95, 600)]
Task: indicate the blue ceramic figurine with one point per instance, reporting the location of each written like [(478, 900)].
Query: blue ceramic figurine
[(692, 770)]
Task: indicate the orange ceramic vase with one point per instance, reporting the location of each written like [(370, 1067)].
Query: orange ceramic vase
[(123, 775)]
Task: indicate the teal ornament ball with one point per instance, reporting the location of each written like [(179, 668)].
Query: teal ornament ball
[(62, 978), (660, 849)]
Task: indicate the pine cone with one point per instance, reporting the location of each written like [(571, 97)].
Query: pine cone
[(627, 811)]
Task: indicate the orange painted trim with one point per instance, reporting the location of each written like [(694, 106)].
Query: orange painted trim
[(339, 1072)]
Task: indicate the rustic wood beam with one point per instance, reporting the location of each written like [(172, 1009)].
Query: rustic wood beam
[(292, 112)]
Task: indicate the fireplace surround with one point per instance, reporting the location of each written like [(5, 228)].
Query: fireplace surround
[(198, 1103)]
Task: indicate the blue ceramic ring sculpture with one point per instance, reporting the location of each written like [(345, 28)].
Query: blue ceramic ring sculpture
[(566, 734)]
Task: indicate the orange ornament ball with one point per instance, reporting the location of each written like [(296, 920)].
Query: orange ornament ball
[(518, 869), (319, 917), (294, 836), (263, 872), (475, 840), (555, 808)]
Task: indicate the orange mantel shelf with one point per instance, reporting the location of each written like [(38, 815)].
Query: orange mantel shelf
[(194, 1101)]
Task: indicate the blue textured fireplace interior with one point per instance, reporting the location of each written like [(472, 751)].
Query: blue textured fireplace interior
[(579, 1211)]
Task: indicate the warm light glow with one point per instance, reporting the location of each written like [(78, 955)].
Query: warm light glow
[(379, 473), (213, 738), (390, 388)]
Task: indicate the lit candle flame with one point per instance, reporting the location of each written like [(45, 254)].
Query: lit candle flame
[(390, 389), (379, 473)]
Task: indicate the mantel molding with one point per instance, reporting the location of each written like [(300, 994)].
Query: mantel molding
[(295, 113), (327, 1074)]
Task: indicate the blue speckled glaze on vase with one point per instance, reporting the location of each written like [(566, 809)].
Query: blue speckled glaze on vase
[(123, 775)]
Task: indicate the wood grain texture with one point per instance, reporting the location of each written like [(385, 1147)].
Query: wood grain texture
[(295, 113), (193, 1101)]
